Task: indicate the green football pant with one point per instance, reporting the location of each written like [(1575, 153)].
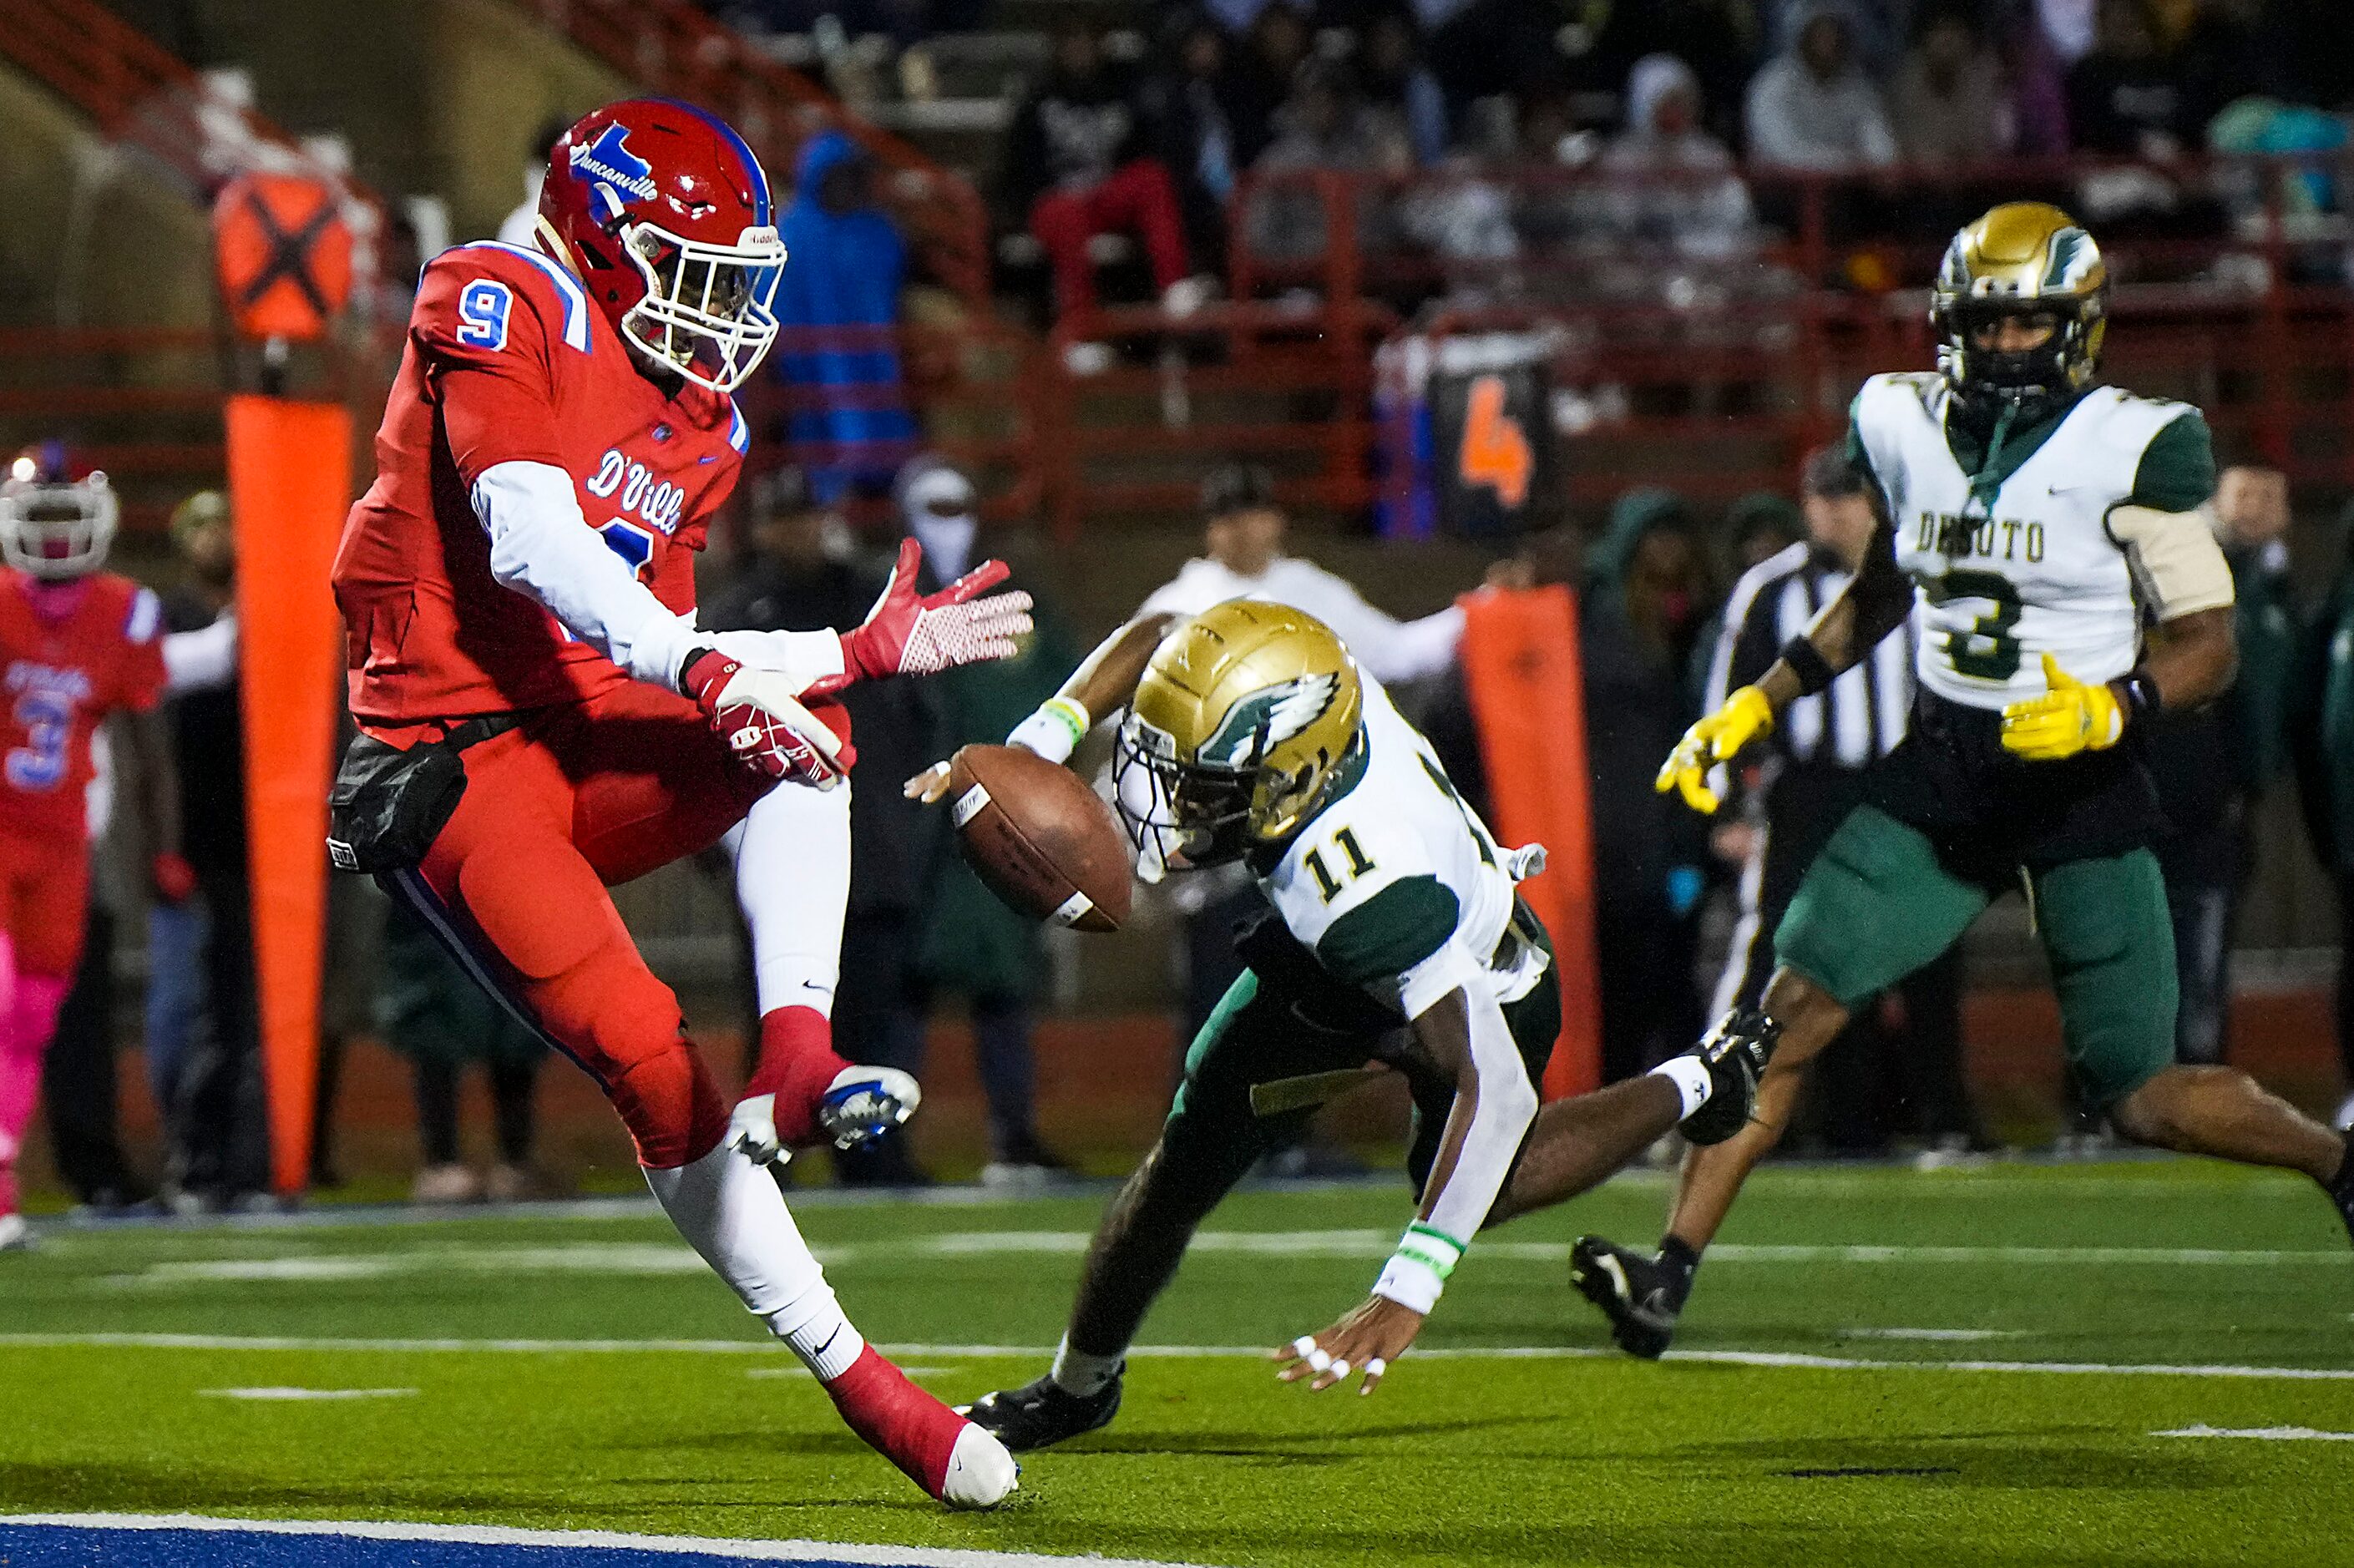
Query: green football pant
[(1880, 902)]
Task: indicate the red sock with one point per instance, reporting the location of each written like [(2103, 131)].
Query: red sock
[(798, 1061), (898, 1420)]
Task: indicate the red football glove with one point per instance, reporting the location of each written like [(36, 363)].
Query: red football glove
[(764, 723), (907, 633), (174, 878)]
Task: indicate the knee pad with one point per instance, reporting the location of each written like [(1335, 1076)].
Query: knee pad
[(624, 1026), (669, 1104)]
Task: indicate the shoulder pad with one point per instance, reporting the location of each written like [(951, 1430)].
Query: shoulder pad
[(554, 293)]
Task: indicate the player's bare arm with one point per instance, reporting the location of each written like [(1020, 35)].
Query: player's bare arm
[(1873, 604), (1102, 683), (1491, 1112)]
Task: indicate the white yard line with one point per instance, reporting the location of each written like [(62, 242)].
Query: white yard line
[(579, 1540), (1793, 1360), (298, 1396), (2261, 1433), (1932, 1336), (654, 1258)]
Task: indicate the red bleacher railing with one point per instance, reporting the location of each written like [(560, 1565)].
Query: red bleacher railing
[(671, 47), (1714, 366)]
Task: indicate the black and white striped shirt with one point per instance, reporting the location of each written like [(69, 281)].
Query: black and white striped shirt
[(1861, 717)]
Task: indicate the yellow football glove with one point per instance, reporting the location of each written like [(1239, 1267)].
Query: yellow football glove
[(2070, 718), (1718, 738)]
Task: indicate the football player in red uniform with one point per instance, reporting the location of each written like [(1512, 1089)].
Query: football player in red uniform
[(518, 588), (76, 644)]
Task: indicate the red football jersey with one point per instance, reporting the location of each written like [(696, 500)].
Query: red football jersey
[(507, 361), (62, 677)]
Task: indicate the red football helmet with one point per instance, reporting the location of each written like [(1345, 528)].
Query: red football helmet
[(56, 517), (665, 212)]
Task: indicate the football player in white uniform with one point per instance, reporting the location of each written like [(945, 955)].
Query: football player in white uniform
[(1397, 943), (2046, 535)]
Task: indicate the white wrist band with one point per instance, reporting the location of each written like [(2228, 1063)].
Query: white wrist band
[(1691, 1079), (1416, 1273), (1055, 731)]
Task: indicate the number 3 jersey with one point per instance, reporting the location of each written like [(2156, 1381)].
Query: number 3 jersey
[(63, 677), (508, 360), (1396, 886), (2021, 558), (2032, 552)]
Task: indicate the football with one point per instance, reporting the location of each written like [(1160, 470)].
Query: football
[(1039, 837)]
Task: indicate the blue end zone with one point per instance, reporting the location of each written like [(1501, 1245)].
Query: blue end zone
[(78, 1546)]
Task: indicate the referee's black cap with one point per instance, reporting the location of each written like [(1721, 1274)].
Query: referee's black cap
[(1237, 487), (1830, 473)]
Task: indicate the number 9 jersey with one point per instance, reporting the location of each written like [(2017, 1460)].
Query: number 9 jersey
[(509, 360)]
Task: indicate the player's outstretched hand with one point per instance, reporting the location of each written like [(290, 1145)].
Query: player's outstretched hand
[(928, 786), (1368, 1339), (764, 723), (1714, 739), (908, 633), (2070, 717)]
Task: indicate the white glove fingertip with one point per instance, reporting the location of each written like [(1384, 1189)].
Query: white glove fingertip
[(1304, 1346)]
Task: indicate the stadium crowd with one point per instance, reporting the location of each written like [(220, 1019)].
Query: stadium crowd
[(1682, 123)]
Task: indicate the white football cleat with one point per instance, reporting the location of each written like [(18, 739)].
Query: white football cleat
[(16, 1236), (752, 1131), (982, 1472), (863, 1103)]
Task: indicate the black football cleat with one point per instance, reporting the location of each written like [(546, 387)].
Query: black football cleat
[(1042, 1413), (1734, 1053), (1640, 1295), (2340, 1187)]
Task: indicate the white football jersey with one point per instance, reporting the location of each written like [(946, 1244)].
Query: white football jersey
[(1398, 830), (2038, 571)]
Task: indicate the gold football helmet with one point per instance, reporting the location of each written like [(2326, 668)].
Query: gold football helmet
[(1236, 736), (2025, 260)]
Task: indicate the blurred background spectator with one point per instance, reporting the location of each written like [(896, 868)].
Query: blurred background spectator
[(1190, 104), (1645, 597), (963, 940), (1077, 164), (1949, 104), (1813, 106), (520, 226), (2321, 738), (204, 1025), (838, 310), (432, 1012), (1675, 184), (2212, 764)]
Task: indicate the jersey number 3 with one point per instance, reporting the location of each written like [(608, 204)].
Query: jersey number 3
[(1353, 865), (1987, 651), (47, 721)]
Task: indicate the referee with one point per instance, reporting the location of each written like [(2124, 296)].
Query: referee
[(1876, 1079)]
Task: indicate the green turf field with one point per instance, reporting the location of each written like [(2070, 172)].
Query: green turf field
[(1877, 1376)]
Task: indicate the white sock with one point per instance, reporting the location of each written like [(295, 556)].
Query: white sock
[(792, 882), (1691, 1079), (730, 1211), (1075, 1371), (815, 1329)]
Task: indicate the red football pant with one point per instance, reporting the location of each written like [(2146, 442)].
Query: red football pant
[(1136, 197), (44, 899), (554, 811)]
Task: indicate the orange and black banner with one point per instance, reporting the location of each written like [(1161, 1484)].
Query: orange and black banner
[(1521, 666), (290, 483)]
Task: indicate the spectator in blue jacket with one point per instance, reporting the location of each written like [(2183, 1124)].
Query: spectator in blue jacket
[(838, 304)]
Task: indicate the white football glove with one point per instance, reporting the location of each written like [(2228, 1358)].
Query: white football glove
[(758, 712)]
